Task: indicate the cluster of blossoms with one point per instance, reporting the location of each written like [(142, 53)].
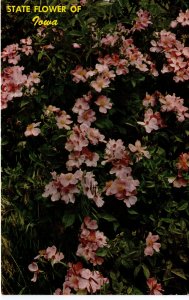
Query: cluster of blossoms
[(11, 53), (91, 240), (182, 19), (63, 186), (154, 287), (50, 254), (13, 80), (66, 186), (142, 21), (183, 167), (175, 52), (77, 144), (151, 244), (168, 103), (109, 66), (63, 120), (80, 280), (124, 186)]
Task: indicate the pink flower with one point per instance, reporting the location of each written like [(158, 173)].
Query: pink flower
[(76, 45), (33, 267), (109, 40), (139, 149), (79, 74), (151, 244), (183, 18), (142, 21), (32, 129), (154, 287), (63, 120), (149, 100), (33, 78), (100, 83), (104, 104), (80, 106), (150, 121), (87, 117)]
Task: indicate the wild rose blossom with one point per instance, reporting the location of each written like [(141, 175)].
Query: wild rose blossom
[(33, 267), (90, 188), (104, 104), (91, 240), (63, 187), (79, 278), (182, 166), (151, 244), (63, 120), (154, 287), (32, 129), (139, 150), (51, 254), (142, 21)]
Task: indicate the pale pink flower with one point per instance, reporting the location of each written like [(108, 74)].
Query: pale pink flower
[(90, 224), (173, 24), (47, 47), (183, 18), (33, 78), (151, 244), (90, 188), (51, 109), (109, 40), (80, 106), (33, 267), (27, 49), (58, 292), (104, 104), (63, 121), (100, 83), (142, 21), (32, 129), (90, 158), (150, 121), (149, 100), (27, 41), (79, 74), (101, 68), (87, 117), (139, 149), (154, 287), (76, 45)]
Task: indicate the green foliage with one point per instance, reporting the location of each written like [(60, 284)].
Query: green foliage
[(31, 222)]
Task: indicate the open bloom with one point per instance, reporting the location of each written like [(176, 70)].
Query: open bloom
[(140, 151), (33, 267), (155, 288), (32, 129), (151, 244)]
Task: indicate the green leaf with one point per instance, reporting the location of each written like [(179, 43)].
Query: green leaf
[(102, 252), (146, 271), (68, 219), (183, 206), (179, 273), (132, 212), (137, 270), (107, 217)]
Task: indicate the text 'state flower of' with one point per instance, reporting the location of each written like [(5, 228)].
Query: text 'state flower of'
[(154, 287), (32, 129), (151, 244)]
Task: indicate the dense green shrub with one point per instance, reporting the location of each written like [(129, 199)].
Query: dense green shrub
[(95, 119)]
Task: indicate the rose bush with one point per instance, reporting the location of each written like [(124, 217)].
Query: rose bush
[(95, 151)]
